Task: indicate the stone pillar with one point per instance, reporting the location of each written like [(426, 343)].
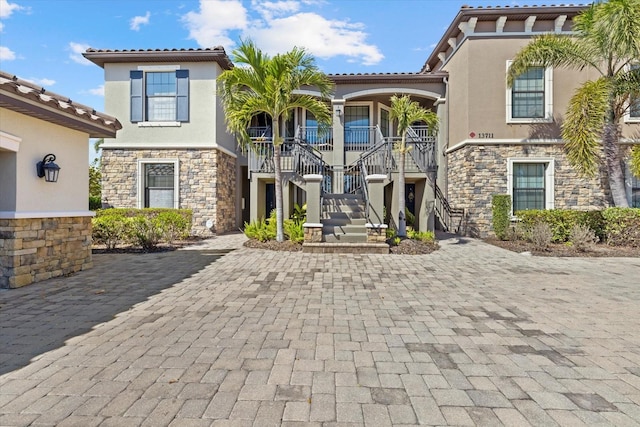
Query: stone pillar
[(313, 226)]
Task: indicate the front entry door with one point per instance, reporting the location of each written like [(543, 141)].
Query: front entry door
[(410, 200)]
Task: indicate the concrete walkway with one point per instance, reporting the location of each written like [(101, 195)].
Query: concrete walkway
[(469, 335)]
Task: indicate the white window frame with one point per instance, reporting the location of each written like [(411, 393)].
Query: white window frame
[(141, 177), (549, 179), (628, 176), (360, 104), (628, 118), (381, 107), (548, 100), (155, 69)]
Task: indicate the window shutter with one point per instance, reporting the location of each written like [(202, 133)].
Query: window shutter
[(182, 83), (136, 96)]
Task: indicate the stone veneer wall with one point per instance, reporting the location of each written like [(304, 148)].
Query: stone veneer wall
[(475, 174), (35, 249), (207, 183)]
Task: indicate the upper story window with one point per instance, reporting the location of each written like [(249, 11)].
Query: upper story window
[(530, 98), (159, 96)]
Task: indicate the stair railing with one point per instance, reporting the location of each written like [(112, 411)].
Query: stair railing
[(446, 214), (423, 153)]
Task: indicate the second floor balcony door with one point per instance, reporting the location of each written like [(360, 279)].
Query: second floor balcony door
[(357, 126)]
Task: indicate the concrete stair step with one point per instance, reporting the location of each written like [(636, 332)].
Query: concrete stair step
[(345, 248), (345, 238), (345, 196), (340, 221), (344, 229)]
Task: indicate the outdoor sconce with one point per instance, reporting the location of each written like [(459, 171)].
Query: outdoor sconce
[(47, 169), (338, 111)]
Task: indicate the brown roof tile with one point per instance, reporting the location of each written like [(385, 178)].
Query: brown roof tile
[(27, 98), (103, 56)]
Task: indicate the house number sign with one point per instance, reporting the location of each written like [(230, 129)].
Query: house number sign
[(482, 135)]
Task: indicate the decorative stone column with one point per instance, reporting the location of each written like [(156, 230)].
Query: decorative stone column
[(313, 226), (376, 228)]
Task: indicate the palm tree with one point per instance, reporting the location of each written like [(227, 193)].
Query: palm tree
[(606, 39), (264, 84), (406, 112)]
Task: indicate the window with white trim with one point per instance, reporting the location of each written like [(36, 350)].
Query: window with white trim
[(634, 103), (632, 184), (530, 98), (158, 183), (530, 183), (159, 96)]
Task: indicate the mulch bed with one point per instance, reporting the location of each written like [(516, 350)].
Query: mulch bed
[(563, 250), (406, 246), (162, 247)]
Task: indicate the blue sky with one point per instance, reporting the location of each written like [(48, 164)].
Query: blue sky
[(42, 40)]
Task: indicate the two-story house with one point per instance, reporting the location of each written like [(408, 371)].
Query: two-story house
[(174, 150)]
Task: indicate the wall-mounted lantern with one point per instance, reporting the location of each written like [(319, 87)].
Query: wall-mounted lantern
[(47, 169), (338, 111)]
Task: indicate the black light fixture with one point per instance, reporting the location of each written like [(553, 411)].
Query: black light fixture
[(47, 169)]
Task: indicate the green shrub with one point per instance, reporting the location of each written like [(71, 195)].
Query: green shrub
[(146, 232), (299, 215), (390, 233), (562, 221), (501, 210), (396, 241), (410, 218), (140, 227), (622, 226), (423, 236), (262, 229), (95, 203), (294, 230), (174, 225), (110, 230)]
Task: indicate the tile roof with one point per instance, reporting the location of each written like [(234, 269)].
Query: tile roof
[(386, 77), (103, 56), (27, 98)]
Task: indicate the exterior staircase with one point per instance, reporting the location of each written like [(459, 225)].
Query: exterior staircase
[(344, 219), (344, 227)]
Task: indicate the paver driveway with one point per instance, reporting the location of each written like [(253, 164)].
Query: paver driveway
[(469, 335)]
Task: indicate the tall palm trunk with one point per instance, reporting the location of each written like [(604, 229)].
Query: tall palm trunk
[(277, 146), (402, 220), (610, 140)]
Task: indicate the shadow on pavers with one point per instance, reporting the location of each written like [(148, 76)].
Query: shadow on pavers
[(40, 317)]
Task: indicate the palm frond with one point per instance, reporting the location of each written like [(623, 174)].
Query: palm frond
[(582, 128), (552, 50)]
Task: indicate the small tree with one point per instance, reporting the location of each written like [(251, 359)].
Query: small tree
[(264, 84), (406, 112)]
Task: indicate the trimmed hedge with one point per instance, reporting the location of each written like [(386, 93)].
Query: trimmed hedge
[(501, 208), (622, 226), (615, 226), (95, 203), (140, 227)]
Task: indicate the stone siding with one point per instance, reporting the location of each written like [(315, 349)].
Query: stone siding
[(35, 249), (476, 173), (207, 183)]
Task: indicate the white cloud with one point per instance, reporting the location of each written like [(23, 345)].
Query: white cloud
[(77, 49), (41, 82), (137, 21), (6, 8), (321, 37), (211, 25), (278, 26), (6, 54), (269, 9), (99, 91)]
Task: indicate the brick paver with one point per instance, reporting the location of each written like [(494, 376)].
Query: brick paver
[(468, 335)]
